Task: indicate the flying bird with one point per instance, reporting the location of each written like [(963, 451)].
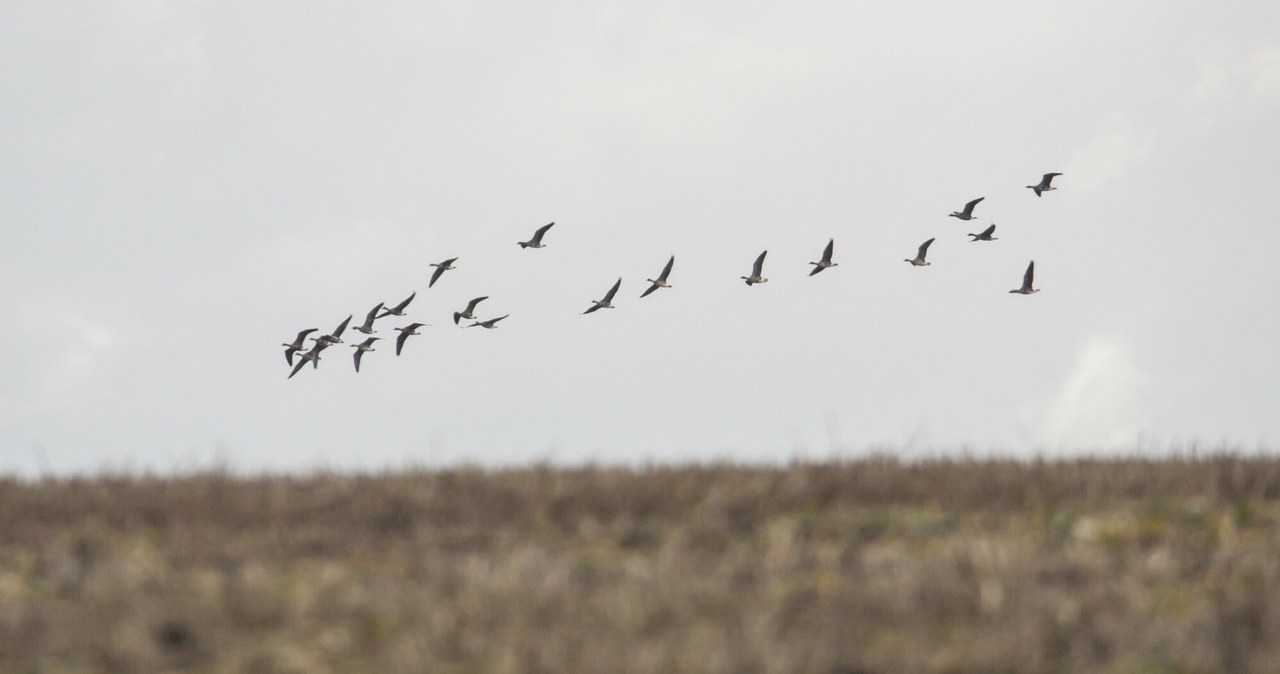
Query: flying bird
[(661, 281), (1044, 185), (313, 355), (295, 346), (397, 310), (536, 241), (367, 327), (441, 268), (967, 213), (489, 324), (756, 268), (361, 348), (826, 259), (469, 312), (607, 302), (410, 329), (335, 337), (985, 235), (920, 261), (1027, 278)]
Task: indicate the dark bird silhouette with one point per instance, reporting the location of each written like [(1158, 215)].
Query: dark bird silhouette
[(661, 281), (536, 241)]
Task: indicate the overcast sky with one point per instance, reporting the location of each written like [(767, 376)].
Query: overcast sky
[(184, 186)]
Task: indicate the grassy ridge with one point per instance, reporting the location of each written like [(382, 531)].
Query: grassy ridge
[(869, 566)]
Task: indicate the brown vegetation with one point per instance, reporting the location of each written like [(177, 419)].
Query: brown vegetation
[(868, 566)]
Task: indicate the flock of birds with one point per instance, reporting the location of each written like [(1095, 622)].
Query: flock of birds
[(297, 351)]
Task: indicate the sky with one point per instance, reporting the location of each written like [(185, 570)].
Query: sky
[(186, 185)]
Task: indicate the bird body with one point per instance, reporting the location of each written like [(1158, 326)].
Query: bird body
[(361, 348), (607, 301), (441, 268), (984, 235), (398, 310), (661, 281), (1045, 184), (367, 326), (410, 329), (536, 241), (967, 213), (490, 324), (295, 346), (826, 259), (1028, 277), (313, 355), (335, 337), (919, 260), (756, 270), (469, 312)]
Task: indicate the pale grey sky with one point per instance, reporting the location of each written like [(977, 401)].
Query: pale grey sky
[(184, 186)]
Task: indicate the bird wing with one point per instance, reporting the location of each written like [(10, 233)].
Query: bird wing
[(435, 275), (924, 248), (652, 287), (591, 309), (816, 268), (495, 320), (359, 353), (471, 306), (303, 335), (1048, 178), (666, 269), (405, 303), (537, 236), (288, 354), (608, 297), (759, 265), (826, 254), (297, 367), (373, 313), (968, 208), (403, 336), (342, 326), (988, 231), (1029, 276)]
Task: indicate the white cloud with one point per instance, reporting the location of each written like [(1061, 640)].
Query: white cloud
[(1098, 405), (1262, 70), (1108, 157)]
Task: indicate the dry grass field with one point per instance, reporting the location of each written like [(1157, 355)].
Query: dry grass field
[(866, 566)]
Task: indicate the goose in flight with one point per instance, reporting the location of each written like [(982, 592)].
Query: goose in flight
[(1044, 185), (366, 345), (607, 302), (967, 213), (469, 312), (313, 355), (1027, 278), (441, 268), (489, 324), (985, 235), (335, 337), (826, 259), (295, 346), (410, 329), (367, 327), (397, 310), (756, 268), (920, 261), (536, 241), (661, 281)]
